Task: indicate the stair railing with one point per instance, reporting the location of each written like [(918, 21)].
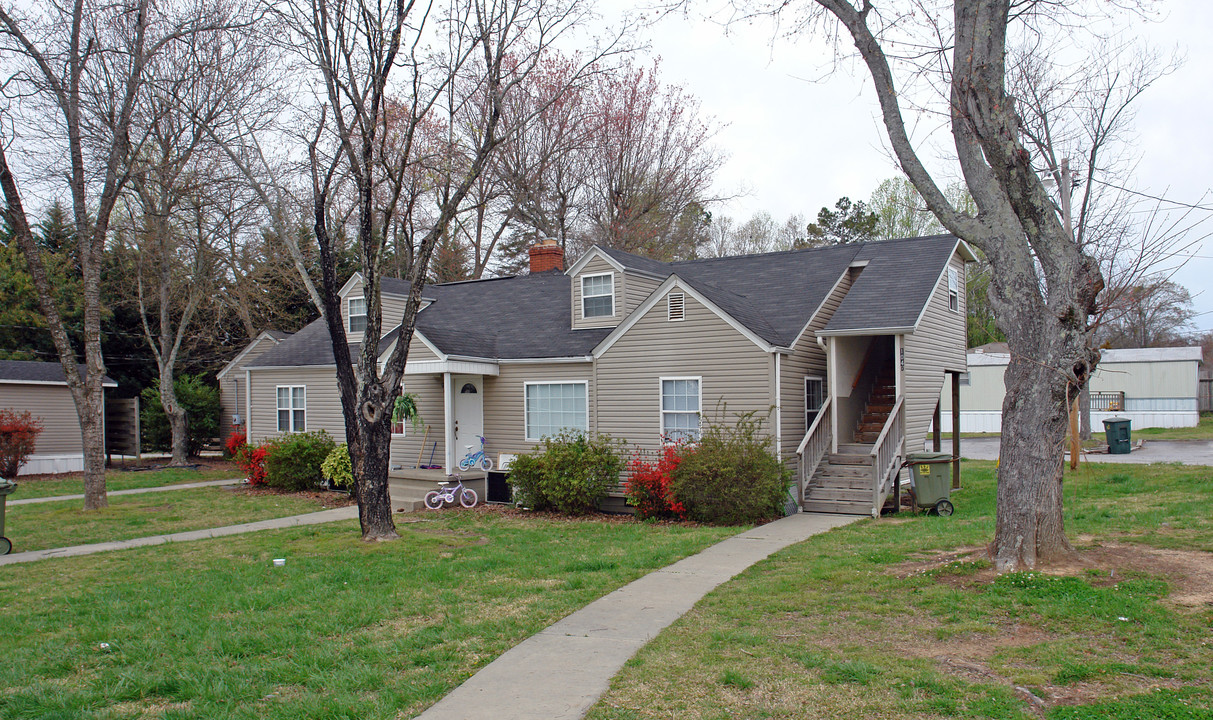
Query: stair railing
[(814, 445), (886, 454)]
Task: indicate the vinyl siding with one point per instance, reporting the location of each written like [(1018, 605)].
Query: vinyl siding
[(637, 288), (937, 346), (407, 447), (231, 399), (731, 367), (504, 404), (53, 405), (323, 403), (806, 359), (598, 266)]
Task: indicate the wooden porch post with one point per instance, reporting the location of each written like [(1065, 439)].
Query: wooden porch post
[(955, 430), (937, 433)]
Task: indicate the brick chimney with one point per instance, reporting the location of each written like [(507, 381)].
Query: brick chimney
[(546, 255)]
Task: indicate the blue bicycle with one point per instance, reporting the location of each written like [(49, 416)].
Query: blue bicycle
[(476, 457)]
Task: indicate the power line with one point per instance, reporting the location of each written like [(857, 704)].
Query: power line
[(1177, 203)]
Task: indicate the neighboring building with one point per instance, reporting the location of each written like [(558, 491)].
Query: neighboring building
[(233, 393), (40, 388), (1153, 387), (850, 341)]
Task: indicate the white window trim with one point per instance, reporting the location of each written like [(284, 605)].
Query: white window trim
[(661, 410), (349, 315), (953, 281), (825, 390), (291, 410), (528, 383), (611, 275)]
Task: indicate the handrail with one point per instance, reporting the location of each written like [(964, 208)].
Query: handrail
[(814, 445), (886, 454), (821, 413)]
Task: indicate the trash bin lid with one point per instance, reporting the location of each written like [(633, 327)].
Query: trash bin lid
[(919, 457), (1116, 420)]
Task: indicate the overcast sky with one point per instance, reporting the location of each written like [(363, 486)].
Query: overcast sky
[(799, 137)]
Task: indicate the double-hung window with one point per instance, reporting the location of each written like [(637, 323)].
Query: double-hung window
[(953, 289), (292, 408), (552, 407), (814, 398), (680, 405), (598, 295), (357, 313)]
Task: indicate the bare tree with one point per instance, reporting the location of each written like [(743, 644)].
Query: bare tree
[(489, 49), (80, 70), (1156, 312), (1044, 287)]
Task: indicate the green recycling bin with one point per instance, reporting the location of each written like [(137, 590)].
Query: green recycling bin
[(1119, 432), (932, 480), (6, 488)]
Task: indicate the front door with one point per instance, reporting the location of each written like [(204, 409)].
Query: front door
[(469, 413)]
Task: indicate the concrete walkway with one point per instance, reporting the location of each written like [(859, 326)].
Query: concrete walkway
[(1186, 452), (562, 671), (133, 491), (316, 518)]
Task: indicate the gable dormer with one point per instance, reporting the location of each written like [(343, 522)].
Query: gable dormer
[(393, 299), (605, 290)]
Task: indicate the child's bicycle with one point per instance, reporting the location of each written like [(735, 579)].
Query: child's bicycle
[(476, 457), (448, 493)]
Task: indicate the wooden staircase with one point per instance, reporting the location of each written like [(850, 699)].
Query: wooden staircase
[(880, 404), (843, 482)]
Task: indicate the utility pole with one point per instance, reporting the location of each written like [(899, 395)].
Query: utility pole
[(1075, 439)]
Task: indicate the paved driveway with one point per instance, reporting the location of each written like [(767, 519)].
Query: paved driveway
[(1186, 452)]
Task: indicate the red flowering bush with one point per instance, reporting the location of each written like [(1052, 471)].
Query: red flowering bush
[(648, 489), (234, 443), (252, 461), (18, 431)]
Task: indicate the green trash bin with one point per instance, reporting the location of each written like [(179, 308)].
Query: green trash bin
[(932, 480), (1119, 432), (6, 488)]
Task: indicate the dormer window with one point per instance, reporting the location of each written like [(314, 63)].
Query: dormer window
[(357, 314), (598, 295)]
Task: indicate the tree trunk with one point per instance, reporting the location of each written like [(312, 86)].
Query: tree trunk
[(1030, 472), (177, 420), (92, 432), (374, 502)]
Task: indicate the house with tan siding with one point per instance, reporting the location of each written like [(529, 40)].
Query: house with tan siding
[(40, 388), (843, 350)]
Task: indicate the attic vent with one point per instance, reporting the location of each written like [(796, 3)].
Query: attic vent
[(677, 303)]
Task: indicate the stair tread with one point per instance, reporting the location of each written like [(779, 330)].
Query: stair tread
[(839, 508), (850, 459)]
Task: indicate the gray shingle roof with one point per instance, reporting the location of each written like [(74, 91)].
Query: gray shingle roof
[(39, 372), (895, 286), (773, 294)]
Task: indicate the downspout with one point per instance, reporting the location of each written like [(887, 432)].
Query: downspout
[(778, 413), (448, 420), (248, 408)]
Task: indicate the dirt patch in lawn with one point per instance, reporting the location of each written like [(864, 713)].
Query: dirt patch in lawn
[(328, 499), (1189, 573)]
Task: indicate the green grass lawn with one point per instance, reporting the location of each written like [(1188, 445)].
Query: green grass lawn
[(345, 630), (73, 484), (903, 618), (1202, 431), (64, 522)]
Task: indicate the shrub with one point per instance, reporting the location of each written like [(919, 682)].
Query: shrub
[(294, 459), (252, 461), (570, 476), (337, 468), (648, 488), (202, 407), (18, 433), (235, 441), (731, 476)]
